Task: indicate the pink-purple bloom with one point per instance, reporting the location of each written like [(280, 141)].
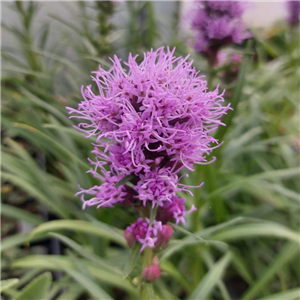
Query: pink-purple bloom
[(293, 8), (218, 23), (143, 232), (150, 121)]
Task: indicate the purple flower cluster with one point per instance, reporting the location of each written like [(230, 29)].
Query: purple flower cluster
[(153, 235), (151, 120), (293, 8), (218, 23), (143, 232)]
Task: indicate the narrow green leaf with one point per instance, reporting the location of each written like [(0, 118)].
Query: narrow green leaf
[(241, 267), (94, 289), (239, 181), (16, 240), (113, 231), (72, 293), (68, 24), (48, 107), (58, 263), (27, 277), (209, 261), (189, 233), (286, 295), (289, 251), (96, 259), (78, 226), (207, 232), (97, 59), (133, 257), (237, 95), (205, 287), (35, 133), (8, 283), (175, 246), (33, 191), (25, 71), (168, 267), (164, 291), (69, 130), (37, 289), (20, 214), (267, 229)]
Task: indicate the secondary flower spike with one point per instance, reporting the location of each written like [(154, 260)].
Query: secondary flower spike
[(150, 119), (216, 24), (293, 8)]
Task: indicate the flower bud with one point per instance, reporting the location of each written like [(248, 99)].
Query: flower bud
[(164, 236), (151, 272), (129, 238)]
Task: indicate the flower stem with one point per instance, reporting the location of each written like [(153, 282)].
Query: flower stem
[(146, 288)]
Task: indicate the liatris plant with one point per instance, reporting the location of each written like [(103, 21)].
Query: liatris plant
[(151, 120), (293, 12), (216, 24)]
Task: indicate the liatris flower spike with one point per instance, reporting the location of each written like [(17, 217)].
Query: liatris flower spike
[(150, 120), (293, 8), (216, 24)]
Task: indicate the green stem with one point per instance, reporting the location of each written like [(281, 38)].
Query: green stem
[(147, 257), (146, 287)]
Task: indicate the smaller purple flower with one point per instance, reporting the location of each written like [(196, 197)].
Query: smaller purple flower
[(143, 232)]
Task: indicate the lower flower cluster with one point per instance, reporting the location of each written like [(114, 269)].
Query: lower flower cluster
[(153, 235)]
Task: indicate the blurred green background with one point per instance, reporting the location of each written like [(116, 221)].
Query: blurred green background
[(241, 243)]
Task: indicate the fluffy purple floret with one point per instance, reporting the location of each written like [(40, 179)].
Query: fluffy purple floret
[(157, 186), (218, 23), (105, 195)]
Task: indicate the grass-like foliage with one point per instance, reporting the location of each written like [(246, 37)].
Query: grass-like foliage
[(243, 240)]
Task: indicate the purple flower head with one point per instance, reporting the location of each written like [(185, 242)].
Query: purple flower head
[(158, 108), (293, 8), (150, 121), (218, 23)]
